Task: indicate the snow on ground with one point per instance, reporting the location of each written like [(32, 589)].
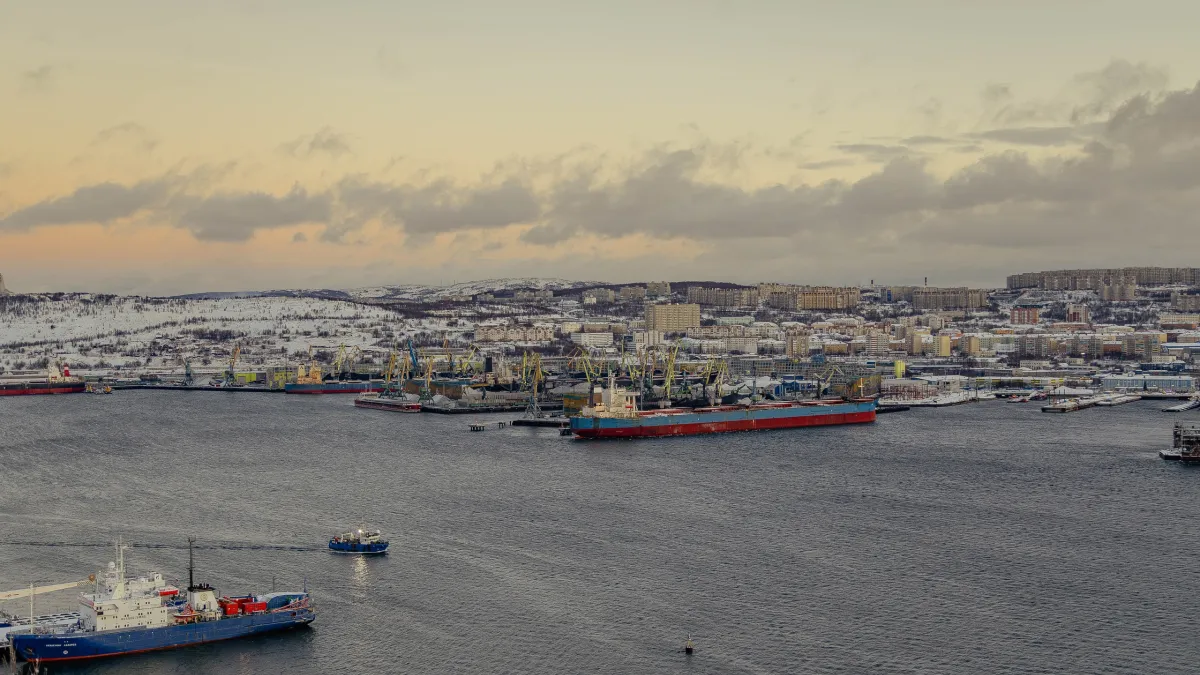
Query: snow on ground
[(98, 331)]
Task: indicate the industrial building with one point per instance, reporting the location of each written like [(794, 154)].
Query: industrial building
[(1149, 382)]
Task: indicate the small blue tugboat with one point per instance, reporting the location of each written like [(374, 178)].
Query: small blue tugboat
[(358, 541)]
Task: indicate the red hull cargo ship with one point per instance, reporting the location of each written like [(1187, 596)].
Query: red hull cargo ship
[(55, 383), (617, 416)]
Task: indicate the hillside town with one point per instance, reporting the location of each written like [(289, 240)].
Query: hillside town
[(1132, 328)]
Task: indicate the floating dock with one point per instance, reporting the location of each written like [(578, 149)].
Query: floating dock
[(551, 422), (477, 409)]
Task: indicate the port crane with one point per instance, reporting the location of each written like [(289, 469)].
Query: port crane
[(532, 373), (231, 374), (427, 385)]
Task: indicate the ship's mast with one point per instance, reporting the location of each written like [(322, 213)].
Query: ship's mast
[(191, 565)]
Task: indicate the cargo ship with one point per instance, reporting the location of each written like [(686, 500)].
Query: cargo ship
[(56, 382), (617, 416), (129, 616)]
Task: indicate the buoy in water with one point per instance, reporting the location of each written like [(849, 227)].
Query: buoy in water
[(688, 647)]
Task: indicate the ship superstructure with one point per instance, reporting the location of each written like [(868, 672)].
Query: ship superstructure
[(1186, 446)]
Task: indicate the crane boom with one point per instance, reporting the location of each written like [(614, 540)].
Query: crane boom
[(38, 590)]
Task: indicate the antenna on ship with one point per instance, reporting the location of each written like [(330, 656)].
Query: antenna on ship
[(191, 565)]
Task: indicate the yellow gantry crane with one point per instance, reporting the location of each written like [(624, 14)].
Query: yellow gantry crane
[(231, 374), (532, 376)]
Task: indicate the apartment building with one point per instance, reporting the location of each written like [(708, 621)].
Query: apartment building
[(949, 298), (514, 333), (672, 318), (723, 297), (799, 298)]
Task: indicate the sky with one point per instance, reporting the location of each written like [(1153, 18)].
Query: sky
[(160, 148)]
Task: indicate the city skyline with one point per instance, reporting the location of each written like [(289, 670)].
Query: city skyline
[(257, 146)]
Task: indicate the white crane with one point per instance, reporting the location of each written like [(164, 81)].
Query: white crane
[(38, 590)]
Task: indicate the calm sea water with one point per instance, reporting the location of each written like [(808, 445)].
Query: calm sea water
[(988, 538)]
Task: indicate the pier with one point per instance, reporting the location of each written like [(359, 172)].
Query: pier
[(193, 387), (1191, 404), (479, 409), (1103, 400), (551, 422)]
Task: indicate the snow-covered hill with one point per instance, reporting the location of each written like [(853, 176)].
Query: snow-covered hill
[(413, 292)]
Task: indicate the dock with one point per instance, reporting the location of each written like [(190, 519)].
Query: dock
[(1103, 400), (551, 422), (879, 410), (1192, 404), (1122, 399), (480, 409), (1070, 405), (195, 387), (478, 426)]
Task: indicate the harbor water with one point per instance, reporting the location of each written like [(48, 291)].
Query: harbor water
[(981, 538)]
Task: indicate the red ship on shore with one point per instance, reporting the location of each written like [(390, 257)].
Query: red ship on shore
[(56, 382)]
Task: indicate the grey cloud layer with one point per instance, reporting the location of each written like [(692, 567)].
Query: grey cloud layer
[(1134, 173)]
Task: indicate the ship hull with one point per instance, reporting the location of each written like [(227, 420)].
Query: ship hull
[(724, 420), (349, 547), (347, 387), (83, 645), (391, 405), (36, 388)]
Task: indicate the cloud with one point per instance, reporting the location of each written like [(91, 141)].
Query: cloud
[(1110, 86), (236, 216), (1045, 136), (873, 151), (821, 165), (324, 141), (40, 78), (130, 133), (1059, 193), (101, 203), (431, 208), (926, 140)]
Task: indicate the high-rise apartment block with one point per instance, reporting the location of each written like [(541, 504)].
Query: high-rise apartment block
[(796, 298), (672, 318), (723, 297)]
